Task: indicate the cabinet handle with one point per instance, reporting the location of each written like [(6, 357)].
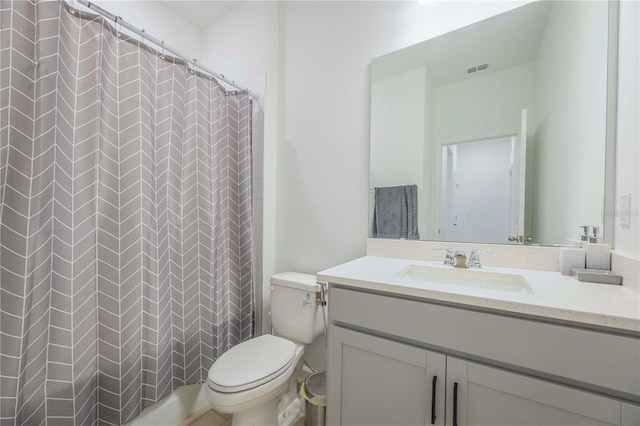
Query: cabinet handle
[(433, 400), (455, 404)]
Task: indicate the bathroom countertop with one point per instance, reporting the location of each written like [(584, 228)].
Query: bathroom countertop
[(554, 296)]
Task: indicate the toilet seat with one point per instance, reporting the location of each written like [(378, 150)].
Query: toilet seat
[(251, 364)]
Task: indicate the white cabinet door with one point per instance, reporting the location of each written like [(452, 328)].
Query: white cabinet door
[(491, 396), (375, 381), (630, 414)]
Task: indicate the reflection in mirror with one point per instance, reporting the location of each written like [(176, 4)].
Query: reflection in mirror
[(474, 188), (501, 125)]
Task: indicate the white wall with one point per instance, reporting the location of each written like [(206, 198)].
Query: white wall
[(570, 121), (243, 31), (397, 127), (323, 156), (483, 107), (627, 240), (398, 114), (159, 21)]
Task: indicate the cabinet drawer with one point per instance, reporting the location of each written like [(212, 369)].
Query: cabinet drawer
[(605, 362)]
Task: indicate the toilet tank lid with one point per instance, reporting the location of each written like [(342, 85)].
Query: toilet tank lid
[(305, 282)]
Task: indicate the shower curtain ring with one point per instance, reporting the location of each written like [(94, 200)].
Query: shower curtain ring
[(118, 26), (162, 54), (72, 9), (142, 34)]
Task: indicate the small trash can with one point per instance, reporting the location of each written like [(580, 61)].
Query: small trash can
[(314, 392)]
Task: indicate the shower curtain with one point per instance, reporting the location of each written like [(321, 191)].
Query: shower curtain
[(125, 219)]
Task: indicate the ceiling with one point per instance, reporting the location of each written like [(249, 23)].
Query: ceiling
[(201, 13), (503, 41)]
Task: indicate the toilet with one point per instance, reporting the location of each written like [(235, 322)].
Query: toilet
[(249, 379)]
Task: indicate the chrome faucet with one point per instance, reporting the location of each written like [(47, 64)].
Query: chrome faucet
[(448, 256), (460, 260)]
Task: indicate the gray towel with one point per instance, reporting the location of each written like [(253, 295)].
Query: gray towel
[(395, 214)]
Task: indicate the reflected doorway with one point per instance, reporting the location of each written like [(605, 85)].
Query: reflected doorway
[(481, 182)]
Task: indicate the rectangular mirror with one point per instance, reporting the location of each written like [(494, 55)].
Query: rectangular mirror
[(495, 132)]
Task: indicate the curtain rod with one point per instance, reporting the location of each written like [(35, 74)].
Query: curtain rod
[(118, 20)]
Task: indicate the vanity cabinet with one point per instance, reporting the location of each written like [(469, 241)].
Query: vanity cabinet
[(382, 382), (494, 396), (395, 361)]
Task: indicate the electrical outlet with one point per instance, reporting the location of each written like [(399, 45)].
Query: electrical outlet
[(625, 210)]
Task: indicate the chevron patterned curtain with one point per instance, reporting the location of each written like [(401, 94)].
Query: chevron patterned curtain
[(125, 219)]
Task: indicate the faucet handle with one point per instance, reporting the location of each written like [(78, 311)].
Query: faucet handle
[(448, 257), (474, 259)]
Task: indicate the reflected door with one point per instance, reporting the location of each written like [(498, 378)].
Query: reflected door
[(481, 191), (483, 184)]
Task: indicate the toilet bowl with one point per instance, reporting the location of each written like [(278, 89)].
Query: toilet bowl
[(248, 380)]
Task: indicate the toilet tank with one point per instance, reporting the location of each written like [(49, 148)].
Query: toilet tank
[(295, 313)]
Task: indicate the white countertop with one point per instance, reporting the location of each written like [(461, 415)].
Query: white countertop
[(554, 296)]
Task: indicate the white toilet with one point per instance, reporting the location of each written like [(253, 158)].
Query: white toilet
[(249, 379)]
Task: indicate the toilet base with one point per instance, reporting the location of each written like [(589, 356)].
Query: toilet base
[(277, 412), (290, 409), (262, 410)]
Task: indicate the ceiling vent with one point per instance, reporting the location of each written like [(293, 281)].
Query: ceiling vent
[(477, 68)]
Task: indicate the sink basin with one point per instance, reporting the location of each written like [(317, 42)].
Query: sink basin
[(472, 278)]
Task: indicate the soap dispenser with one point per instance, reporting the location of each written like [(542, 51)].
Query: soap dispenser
[(585, 234), (598, 255)]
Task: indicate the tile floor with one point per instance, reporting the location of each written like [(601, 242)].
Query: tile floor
[(212, 418)]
